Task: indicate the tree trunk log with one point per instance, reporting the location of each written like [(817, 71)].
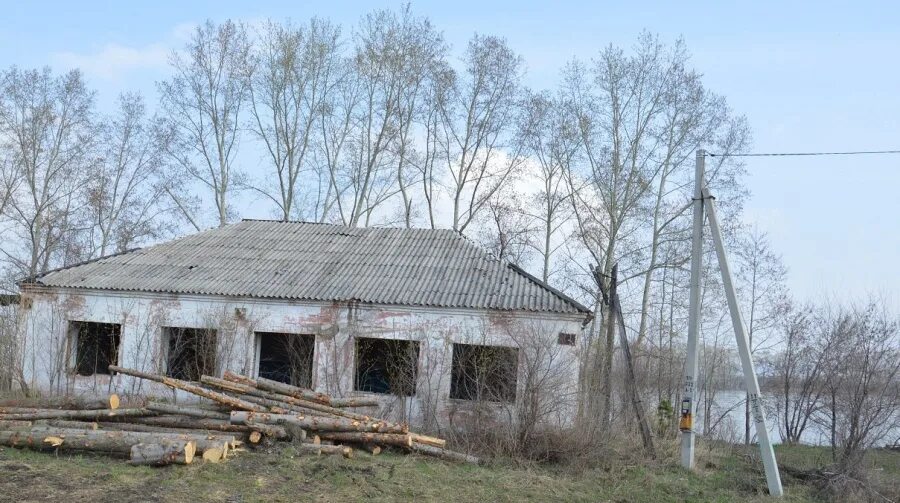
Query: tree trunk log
[(204, 441), (432, 441), (165, 408), (36, 441), (395, 439), (190, 388), (371, 448), (353, 402), (279, 387), (163, 453), (69, 425), (278, 407), (114, 442), (193, 433), (15, 425), (314, 423), (445, 454), (58, 402), (319, 449), (94, 415), (193, 423), (279, 404)]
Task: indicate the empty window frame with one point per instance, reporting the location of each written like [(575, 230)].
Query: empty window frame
[(190, 352), (95, 346), (388, 366), (484, 373), (566, 339), (286, 358)]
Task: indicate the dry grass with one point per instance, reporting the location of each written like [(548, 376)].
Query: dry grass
[(283, 474)]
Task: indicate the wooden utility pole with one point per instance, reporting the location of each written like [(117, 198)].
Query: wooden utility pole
[(615, 316)]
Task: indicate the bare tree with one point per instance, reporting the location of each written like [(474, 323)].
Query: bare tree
[(801, 369), (420, 59), (761, 275), (204, 100), (45, 137), (639, 118), (294, 68), (428, 160), (551, 139), (477, 117), (367, 126), (508, 231), (126, 189), (865, 364)]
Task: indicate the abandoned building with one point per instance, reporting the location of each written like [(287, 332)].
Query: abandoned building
[(423, 319)]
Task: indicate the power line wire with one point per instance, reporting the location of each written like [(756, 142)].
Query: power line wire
[(787, 154)]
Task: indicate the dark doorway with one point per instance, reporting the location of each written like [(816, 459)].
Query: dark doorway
[(287, 358)]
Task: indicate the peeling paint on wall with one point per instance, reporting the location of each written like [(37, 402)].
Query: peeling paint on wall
[(335, 325)]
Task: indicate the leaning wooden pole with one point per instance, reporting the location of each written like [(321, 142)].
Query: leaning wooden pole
[(740, 331), (615, 308)]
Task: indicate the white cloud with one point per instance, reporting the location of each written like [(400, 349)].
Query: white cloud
[(113, 61)]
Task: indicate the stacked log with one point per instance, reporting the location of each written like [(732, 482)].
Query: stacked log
[(239, 409)]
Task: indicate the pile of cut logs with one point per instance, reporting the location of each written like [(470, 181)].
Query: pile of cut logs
[(235, 411)]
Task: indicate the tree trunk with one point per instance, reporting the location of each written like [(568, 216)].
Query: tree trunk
[(193, 423), (444, 454), (163, 453), (93, 415), (15, 425), (314, 423), (71, 425), (198, 433), (354, 402), (370, 438), (319, 449), (371, 449), (114, 442), (203, 441), (245, 389), (432, 441), (271, 404), (279, 387), (180, 410), (60, 402), (190, 388)]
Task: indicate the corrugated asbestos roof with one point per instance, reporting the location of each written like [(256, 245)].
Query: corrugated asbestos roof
[(296, 260)]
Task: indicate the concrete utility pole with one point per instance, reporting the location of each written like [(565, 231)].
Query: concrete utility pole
[(773, 478), (688, 405), (703, 201)]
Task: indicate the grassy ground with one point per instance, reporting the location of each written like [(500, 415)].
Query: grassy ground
[(725, 474)]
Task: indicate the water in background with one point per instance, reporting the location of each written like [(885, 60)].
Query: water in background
[(731, 427)]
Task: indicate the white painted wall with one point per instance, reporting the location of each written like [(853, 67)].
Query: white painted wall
[(45, 360)]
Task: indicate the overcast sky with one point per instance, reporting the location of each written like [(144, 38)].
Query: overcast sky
[(819, 76)]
